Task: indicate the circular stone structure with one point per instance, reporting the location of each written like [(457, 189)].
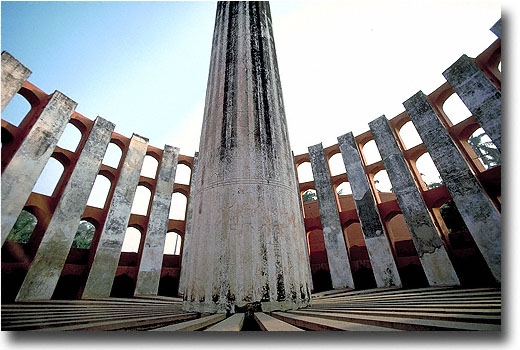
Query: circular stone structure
[(246, 239)]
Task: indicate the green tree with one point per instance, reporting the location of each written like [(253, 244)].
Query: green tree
[(309, 195), (84, 235), (23, 227), (485, 150)]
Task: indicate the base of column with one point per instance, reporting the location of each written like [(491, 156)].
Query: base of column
[(268, 306)]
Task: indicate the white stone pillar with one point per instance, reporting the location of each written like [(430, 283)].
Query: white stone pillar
[(43, 274), (25, 167), (479, 214), (337, 255), (432, 254), (479, 94), (14, 74), (104, 267), (189, 216), (378, 247), (245, 250), (152, 257)]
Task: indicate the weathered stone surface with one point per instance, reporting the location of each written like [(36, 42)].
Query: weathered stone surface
[(378, 247), (187, 230), (432, 254), (339, 264), (497, 28), (245, 250), (479, 214), (152, 257), (479, 94), (43, 274), (23, 171), (101, 276), (14, 74)]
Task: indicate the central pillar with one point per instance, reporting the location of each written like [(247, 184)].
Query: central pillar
[(245, 240)]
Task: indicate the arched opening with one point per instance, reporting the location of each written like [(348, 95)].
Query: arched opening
[(370, 152), (355, 242), (70, 138), (172, 244), (499, 67), (309, 195), (131, 241), (344, 188), (409, 135), (68, 287), (112, 155), (346, 201), (305, 172), (123, 287), (382, 181), (141, 200), (23, 227), (16, 110), (149, 168), (49, 177), (336, 165), (168, 286), (429, 173), (99, 193), (178, 206), (84, 235), (400, 236), (455, 109), (485, 149), (183, 174)]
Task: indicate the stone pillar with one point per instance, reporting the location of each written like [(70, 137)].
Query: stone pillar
[(432, 254), (14, 74), (497, 28), (479, 214), (152, 257), (245, 250), (25, 167), (378, 247), (337, 255), (43, 274), (189, 216), (479, 94), (101, 275)]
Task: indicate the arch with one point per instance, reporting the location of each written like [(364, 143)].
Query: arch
[(141, 200), (315, 241), (49, 177), (304, 171), (370, 152), (178, 206), (309, 195), (344, 188), (452, 218), (183, 174), (112, 156), (499, 67), (409, 135), (149, 168), (84, 235), (168, 286), (123, 287), (16, 110), (455, 109), (23, 227), (99, 193), (485, 149), (336, 165), (172, 243), (70, 138), (400, 236), (429, 173), (353, 236), (382, 181), (131, 241)]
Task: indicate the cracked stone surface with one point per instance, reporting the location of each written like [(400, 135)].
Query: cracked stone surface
[(14, 74)]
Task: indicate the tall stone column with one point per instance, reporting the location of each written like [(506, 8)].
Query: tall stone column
[(480, 215), (14, 74), (152, 257), (43, 275), (104, 267), (245, 238), (378, 247), (433, 256), (23, 170), (479, 94), (337, 256)]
